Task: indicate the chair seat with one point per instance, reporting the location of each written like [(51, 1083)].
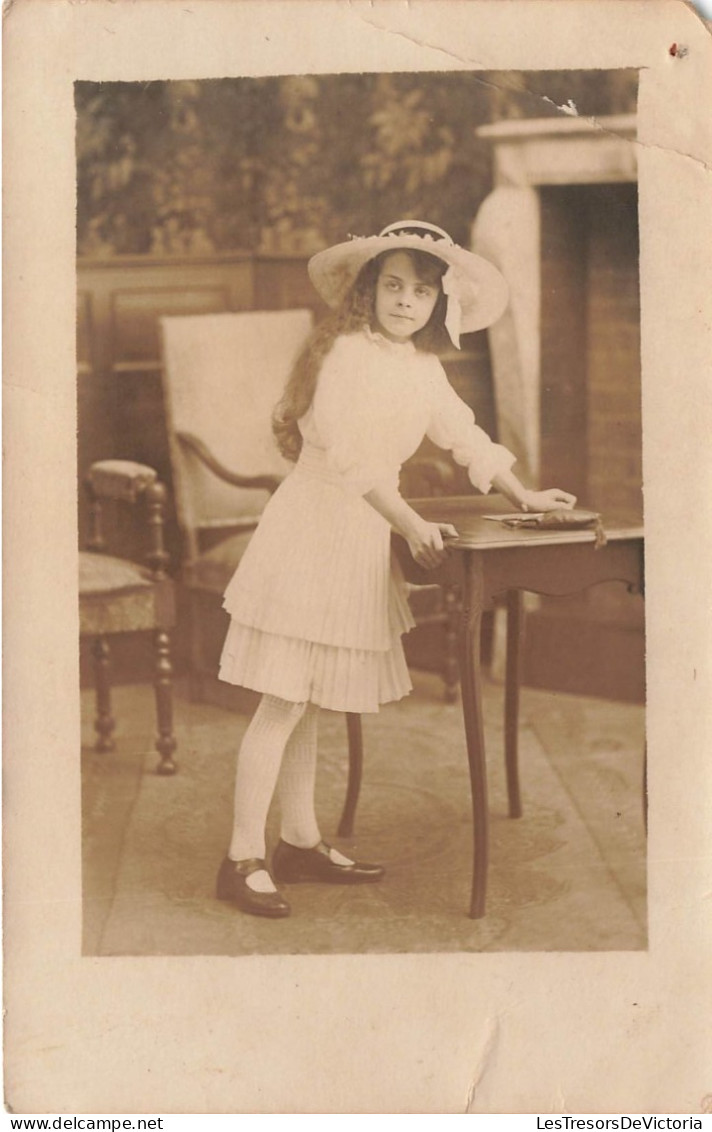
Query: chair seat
[(118, 596), (213, 570), (100, 574)]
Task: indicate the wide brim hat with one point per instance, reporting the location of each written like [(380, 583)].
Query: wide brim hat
[(477, 291)]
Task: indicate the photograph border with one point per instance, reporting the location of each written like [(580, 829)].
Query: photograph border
[(421, 1033)]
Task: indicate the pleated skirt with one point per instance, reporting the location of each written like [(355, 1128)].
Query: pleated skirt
[(317, 605)]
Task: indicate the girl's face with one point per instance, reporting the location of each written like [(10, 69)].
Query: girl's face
[(404, 302)]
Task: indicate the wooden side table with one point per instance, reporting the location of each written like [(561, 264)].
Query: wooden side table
[(489, 559)]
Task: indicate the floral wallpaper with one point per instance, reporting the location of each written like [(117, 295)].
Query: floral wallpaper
[(287, 164)]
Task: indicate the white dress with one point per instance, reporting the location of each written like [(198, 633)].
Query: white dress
[(317, 605)]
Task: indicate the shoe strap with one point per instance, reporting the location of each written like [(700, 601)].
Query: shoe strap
[(248, 866)]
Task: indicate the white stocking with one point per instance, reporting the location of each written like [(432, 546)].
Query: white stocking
[(295, 787), (258, 766), (296, 782)]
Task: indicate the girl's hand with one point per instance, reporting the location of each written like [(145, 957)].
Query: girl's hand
[(554, 499), (426, 543)]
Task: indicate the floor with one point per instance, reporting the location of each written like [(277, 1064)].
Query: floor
[(568, 876)]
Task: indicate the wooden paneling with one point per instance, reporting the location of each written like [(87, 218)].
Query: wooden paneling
[(135, 313), (283, 284), (118, 347)]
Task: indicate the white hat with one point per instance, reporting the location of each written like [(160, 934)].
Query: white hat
[(477, 292)]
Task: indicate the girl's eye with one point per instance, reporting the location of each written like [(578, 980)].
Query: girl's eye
[(423, 292)]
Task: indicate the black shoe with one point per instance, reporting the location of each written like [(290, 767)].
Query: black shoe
[(291, 865), (232, 885)]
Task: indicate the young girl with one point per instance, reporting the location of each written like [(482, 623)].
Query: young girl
[(317, 608)]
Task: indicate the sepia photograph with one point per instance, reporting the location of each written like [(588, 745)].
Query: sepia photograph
[(357, 557), (233, 241)]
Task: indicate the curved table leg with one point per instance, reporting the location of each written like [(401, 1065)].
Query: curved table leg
[(470, 677), (353, 727), (511, 701)]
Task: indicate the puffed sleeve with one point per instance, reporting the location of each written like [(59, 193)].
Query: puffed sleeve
[(351, 418), (452, 426)]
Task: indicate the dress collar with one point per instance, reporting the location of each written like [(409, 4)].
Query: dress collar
[(378, 339)]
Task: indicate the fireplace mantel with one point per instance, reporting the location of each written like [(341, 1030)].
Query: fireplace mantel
[(563, 151)]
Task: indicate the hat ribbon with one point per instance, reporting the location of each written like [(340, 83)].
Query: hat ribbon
[(452, 287)]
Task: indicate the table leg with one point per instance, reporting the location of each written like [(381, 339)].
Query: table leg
[(470, 678), (511, 701)]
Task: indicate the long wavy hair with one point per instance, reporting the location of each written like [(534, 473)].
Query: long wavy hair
[(357, 310)]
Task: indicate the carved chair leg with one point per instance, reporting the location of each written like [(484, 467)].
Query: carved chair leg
[(353, 727), (451, 672), (165, 743), (105, 723)]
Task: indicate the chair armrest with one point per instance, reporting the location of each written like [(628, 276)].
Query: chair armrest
[(125, 481), (119, 479), (201, 450)]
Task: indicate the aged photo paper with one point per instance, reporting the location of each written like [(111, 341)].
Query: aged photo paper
[(448, 1033)]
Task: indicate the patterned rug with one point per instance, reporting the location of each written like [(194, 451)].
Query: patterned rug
[(568, 876)]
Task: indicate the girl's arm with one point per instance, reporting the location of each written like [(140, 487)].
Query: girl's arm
[(452, 426), (506, 483), (425, 540)]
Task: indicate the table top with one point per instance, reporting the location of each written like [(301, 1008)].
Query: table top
[(467, 513)]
